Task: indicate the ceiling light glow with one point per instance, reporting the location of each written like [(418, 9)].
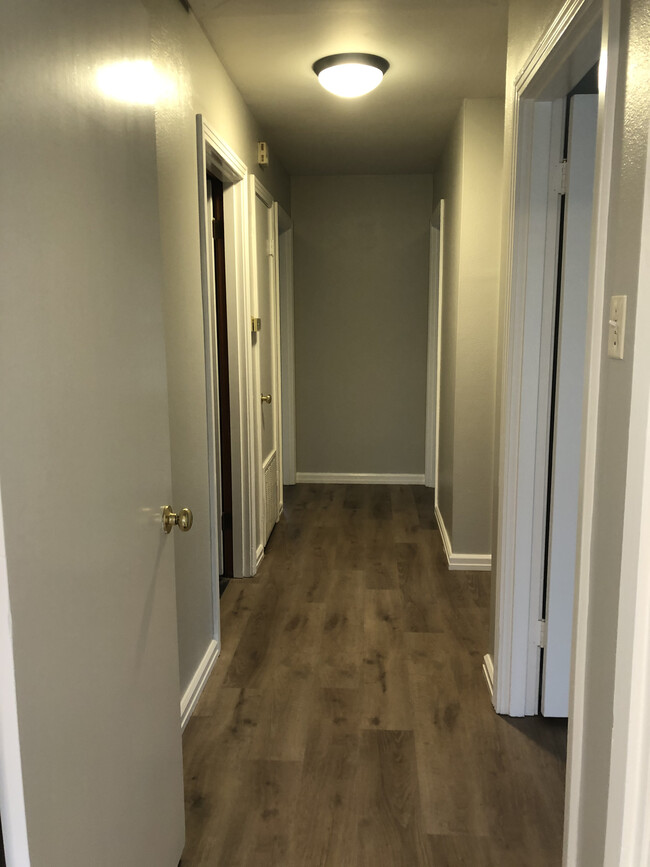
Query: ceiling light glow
[(350, 75)]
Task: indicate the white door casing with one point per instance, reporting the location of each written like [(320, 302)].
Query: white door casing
[(215, 156), (431, 421), (284, 230), (439, 218)]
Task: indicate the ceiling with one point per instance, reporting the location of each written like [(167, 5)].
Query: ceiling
[(440, 52)]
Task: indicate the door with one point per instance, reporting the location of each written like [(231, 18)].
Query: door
[(91, 770), (267, 352), (566, 424)]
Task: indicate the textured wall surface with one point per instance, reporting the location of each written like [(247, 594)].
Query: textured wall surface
[(361, 285), (469, 181)]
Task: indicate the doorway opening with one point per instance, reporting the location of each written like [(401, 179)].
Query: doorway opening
[(223, 197), (552, 607), (224, 455)]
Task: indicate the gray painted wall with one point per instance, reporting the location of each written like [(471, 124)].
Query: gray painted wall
[(622, 271), (469, 180), (527, 21), (361, 258)]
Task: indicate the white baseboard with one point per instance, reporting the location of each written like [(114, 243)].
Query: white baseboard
[(361, 478), (461, 562), (259, 556), (197, 684), (488, 671)]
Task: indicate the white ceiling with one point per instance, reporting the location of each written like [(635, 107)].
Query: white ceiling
[(440, 51)]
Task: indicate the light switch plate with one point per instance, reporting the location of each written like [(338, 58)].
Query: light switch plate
[(616, 333)]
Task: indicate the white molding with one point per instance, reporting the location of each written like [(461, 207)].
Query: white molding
[(262, 192), (566, 31), (446, 541), (470, 563), (287, 347), (198, 682), (360, 478), (460, 562), (431, 416), (257, 477), (216, 157), (439, 214), (279, 397), (259, 556), (488, 672)]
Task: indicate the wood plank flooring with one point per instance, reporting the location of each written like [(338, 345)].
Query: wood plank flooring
[(347, 722)]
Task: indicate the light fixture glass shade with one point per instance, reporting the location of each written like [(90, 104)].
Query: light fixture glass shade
[(350, 75)]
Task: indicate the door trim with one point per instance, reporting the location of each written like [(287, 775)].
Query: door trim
[(284, 232), (216, 157), (431, 406), (439, 214)]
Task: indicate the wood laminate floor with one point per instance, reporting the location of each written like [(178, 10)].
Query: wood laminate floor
[(347, 722)]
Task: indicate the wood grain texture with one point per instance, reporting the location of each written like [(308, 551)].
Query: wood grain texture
[(347, 722)]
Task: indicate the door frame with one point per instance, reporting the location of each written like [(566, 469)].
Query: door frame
[(216, 157), (433, 348), (582, 30), (284, 235)]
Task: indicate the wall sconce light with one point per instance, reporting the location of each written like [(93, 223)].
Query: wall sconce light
[(350, 75)]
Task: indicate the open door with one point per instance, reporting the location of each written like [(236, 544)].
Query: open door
[(91, 768), (567, 404), (266, 337)]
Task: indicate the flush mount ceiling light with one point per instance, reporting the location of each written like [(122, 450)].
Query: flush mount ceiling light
[(350, 75)]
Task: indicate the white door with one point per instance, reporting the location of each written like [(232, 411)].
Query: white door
[(91, 770), (267, 352), (569, 388)]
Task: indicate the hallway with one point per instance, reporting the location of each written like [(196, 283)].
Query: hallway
[(347, 721)]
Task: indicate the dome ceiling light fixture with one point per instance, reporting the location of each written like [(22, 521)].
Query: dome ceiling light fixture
[(350, 74)]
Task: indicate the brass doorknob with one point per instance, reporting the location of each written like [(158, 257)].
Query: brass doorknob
[(183, 519), (266, 398)]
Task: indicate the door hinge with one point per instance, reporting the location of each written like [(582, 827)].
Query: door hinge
[(559, 179), (540, 636)]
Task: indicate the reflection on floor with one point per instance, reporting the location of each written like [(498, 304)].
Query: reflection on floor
[(347, 722)]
